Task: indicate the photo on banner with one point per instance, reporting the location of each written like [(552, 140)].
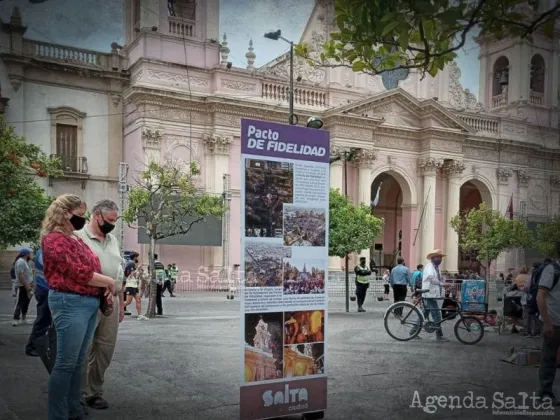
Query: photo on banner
[(284, 248)]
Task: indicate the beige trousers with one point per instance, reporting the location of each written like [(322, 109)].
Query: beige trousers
[(101, 352)]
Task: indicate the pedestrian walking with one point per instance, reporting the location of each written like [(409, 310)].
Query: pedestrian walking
[(76, 284), (24, 283), (399, 280), (97, 236), (362, 282), (548, 301), (43, 319), (160, 279)]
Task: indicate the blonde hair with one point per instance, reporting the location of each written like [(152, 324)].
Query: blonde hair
[(55, 217)]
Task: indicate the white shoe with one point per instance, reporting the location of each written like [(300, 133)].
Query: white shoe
[(141, 318), (24, 322), (15, 323)]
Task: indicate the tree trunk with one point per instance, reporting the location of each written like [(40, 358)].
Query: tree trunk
[(151, 310)]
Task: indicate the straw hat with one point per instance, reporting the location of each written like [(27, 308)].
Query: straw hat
[(435, 253)]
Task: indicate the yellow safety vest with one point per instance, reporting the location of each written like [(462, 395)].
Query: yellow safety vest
[(362, 279)]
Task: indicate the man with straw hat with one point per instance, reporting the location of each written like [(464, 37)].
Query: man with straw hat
[(432, 280)]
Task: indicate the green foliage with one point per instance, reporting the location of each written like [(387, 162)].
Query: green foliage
[(167, 200), (547, 236), (165, 195), (352, 228), (22, 201), (374, 36), (489, 233)]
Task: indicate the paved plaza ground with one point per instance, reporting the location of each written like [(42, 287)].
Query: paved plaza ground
[(187, 366)]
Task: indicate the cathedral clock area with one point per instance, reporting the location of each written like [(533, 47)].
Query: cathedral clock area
[(426, 147)]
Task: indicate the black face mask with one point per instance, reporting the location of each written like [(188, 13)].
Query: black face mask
[(77, 222), (106, 227)]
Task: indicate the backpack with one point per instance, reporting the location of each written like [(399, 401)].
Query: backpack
[(13, 272), (417, 280), (533, 290)]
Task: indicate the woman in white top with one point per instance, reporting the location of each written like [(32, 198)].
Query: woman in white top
[(386, 276), (132, 291)]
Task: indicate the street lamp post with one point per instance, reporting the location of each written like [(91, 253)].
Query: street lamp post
[(275, 36)]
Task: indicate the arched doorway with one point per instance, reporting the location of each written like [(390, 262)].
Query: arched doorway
[(387, 205), (500, 82), (392, 199), (472, 194)]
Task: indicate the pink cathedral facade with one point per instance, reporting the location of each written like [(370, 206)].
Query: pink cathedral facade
[(427, 145)]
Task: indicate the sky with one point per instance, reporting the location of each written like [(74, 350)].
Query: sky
[(72, 22)]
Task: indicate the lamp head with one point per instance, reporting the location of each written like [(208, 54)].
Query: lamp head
[(314, 122), (275, 36)]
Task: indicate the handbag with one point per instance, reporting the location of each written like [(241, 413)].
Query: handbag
[(105, 306)]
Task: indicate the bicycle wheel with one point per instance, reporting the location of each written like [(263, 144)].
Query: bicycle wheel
[(470, 325), (406, 317)]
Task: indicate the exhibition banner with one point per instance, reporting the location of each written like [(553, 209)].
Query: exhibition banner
[(284, 261)]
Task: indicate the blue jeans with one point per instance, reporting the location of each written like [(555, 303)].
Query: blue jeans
[(74, 318), (432, 306)]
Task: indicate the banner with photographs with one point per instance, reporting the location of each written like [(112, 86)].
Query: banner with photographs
[(284, 261)]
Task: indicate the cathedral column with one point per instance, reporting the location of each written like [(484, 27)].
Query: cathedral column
[(555, 77), (337, 183), (217, 165), (504, 196), (522, 194), (427, 208), (452, 170), (364, 160)]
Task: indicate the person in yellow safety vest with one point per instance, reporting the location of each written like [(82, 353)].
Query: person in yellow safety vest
[(362, 282)]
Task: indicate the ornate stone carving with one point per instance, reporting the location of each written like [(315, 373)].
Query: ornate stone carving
[(151, 138), (15, 81), (365, 157), (174, 143), (503, 175), (313, 74), (224, 51), (115, 98), (217, 144), (523, 177), (236, 85), (453, 168), (250, 56), (537, 197), (176, 78), (353, 133), (430, 166), (555, 181), (516, 131), (458, 97)]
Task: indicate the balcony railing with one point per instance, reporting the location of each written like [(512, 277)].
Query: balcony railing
[(537, 98), (302, 96), (63, 54), (72, 165), (182, 27), (481, 124), (499, 100)]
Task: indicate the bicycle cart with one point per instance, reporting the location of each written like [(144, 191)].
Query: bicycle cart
[(409, 317)]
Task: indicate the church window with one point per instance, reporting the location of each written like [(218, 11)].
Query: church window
[(183, 9), (537, 74)]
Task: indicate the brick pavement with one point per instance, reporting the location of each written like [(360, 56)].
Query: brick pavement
[(186, 366)]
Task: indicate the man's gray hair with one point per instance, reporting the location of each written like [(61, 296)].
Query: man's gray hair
[(104, 206)]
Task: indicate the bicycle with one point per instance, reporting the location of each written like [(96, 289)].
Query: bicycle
[(470, 322)]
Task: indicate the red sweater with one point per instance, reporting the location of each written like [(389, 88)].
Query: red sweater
[(69, 264)]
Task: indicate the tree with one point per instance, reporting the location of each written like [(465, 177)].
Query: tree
[(352, 228), (166, 202), (489, 233), (22, 201), (547, 236), (376, 36)]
